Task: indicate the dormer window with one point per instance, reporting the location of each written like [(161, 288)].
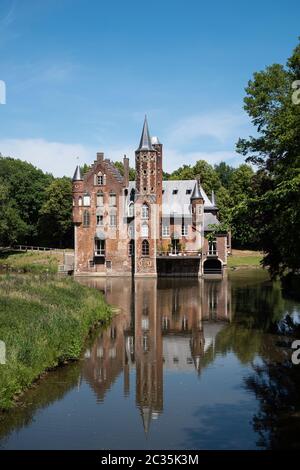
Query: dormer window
[(100, 179), (175, 191), (188, 191)]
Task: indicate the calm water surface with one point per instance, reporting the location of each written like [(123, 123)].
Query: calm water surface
[(184, 365)]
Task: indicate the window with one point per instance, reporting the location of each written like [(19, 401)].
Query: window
[(131, 248), (145, 230), (80, 201), (165, 230), (145, 324), (86, 218), (131, 210), (165, 323), (112, 199), (100, 199), (145, 343), (145, 211), (145, 248), (131, 230), (99, 220), (184, 229), (188, 191), (113, 220), (99, 247), (86, 200), (175, 191), (100, 179)]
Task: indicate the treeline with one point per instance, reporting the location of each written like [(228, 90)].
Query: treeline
[(35, 208)]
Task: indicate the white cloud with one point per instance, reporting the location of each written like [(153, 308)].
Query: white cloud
[(219, 125), (173, 159), (52, 157)]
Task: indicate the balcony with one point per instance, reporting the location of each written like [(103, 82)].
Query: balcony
[(179, 254)]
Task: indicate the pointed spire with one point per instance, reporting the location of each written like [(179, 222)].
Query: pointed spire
[(146, 417), (196, 194), (77, 175), (145, 142)]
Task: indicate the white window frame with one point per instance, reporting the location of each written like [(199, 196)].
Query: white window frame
[(86, 200), (145, 230), (112, 199), (165, 230), (145, 212)]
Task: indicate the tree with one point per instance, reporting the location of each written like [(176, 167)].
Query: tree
[(12, 227), (203, 170), (274, 209), (120, 167), (241, 183), (56, 214), (26, 186), (224, 172)]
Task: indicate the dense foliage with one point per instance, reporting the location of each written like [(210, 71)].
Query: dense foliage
[(273, 210), (35, 208)]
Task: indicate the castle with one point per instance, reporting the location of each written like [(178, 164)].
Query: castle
[(148, 227)]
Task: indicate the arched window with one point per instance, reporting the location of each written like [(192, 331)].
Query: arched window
[(86, 200), (86, 218), (112, 199), (145, 230), (74, 202), (131, 209), (100, 199), (145, 248), (145, 211), (80, 201)]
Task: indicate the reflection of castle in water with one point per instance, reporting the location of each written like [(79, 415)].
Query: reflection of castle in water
[(166, 324)]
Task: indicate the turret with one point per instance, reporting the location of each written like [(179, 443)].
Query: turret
[(77, 191)]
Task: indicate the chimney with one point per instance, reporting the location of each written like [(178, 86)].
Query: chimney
[(126, 170), (100, 156)]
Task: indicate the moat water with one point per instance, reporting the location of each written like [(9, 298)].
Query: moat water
[(185, 364)]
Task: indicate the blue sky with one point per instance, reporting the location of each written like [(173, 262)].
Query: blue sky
[(80, 75)]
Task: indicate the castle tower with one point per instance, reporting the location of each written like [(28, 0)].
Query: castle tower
[(197, 202), (148, 196), (77, 193)]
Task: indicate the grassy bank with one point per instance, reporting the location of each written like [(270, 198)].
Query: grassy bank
[(244, 259), (31, 261), (43, 322)]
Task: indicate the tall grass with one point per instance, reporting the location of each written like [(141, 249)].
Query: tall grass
[(30, 262), (43, 322)]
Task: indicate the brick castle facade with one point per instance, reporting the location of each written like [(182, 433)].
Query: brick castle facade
[(146, 227)]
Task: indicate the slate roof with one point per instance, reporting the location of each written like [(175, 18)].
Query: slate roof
[(179, 204)]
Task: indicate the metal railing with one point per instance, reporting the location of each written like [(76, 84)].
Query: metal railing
[(179, 253), (38, 248)]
